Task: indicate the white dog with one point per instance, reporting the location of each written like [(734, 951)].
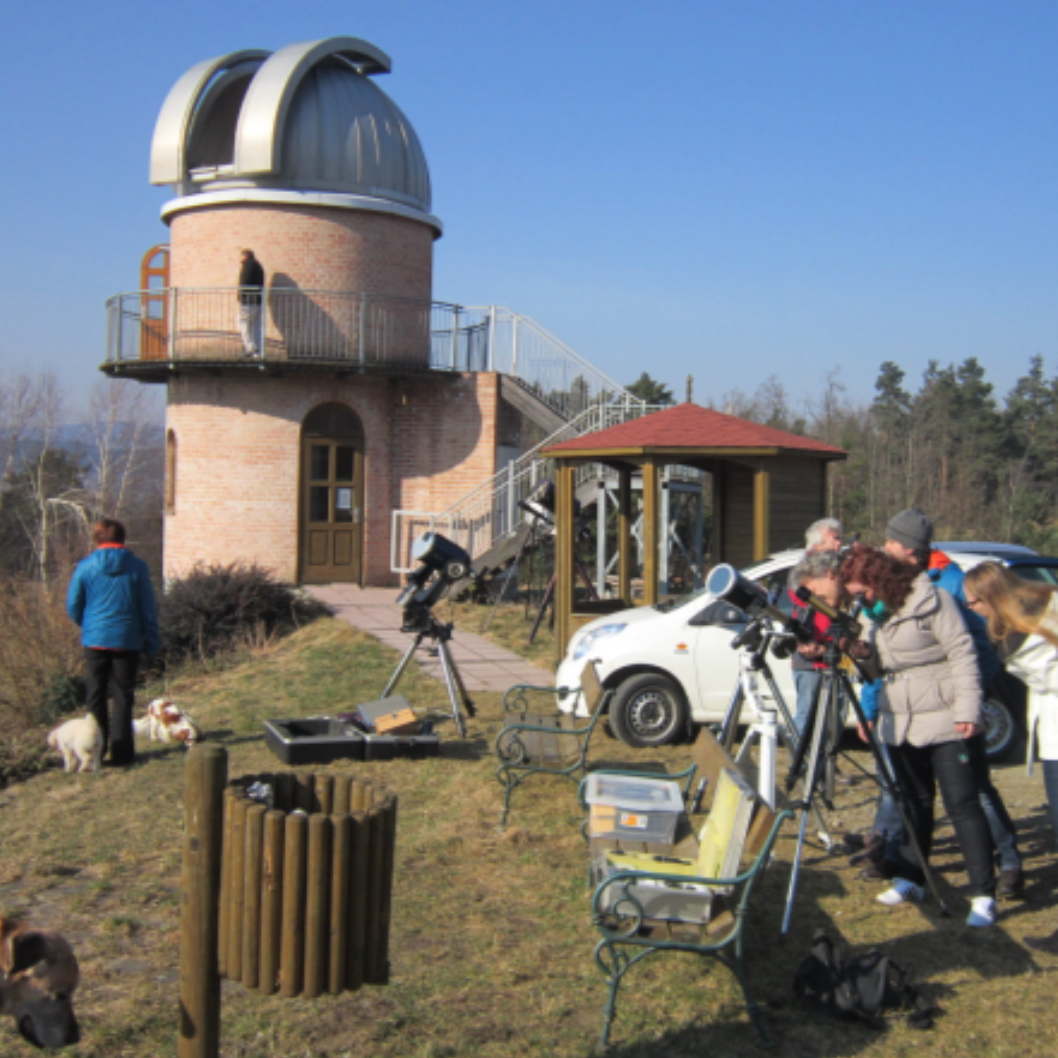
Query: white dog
[(167, 722), (79, 740)]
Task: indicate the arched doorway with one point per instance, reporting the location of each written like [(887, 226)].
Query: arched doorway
[(332, 496)]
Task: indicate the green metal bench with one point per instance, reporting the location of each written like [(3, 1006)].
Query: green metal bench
[(546, 742), (628, 935)]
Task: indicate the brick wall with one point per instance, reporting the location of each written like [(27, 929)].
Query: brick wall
[(315, 248), (428, 441)]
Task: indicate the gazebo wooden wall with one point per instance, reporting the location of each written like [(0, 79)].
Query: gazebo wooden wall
[(768, 487)]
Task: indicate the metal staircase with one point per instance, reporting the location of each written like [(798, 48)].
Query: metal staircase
[(547, 369)]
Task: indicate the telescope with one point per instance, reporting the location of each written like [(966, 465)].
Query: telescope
[(725, 582), (442, 563), (540, 503), (846, 621)]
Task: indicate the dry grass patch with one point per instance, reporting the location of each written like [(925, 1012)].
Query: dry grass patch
[(491, 945)]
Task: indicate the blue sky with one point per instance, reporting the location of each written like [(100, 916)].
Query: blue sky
[(730, 190)]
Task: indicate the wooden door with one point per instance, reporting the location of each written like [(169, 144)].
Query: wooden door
[(332, 497), (154, 304)]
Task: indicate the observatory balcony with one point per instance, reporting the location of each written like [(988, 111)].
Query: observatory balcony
[(152, 334)]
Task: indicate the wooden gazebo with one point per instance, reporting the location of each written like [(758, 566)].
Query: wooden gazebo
[(768, 485)]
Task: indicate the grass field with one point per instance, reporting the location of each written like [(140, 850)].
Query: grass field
[(492, 944)]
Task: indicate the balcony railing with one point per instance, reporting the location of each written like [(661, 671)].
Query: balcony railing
[(190, 324), (182, 326)]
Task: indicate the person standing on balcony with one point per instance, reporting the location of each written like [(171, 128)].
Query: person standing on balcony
[(251, 287)]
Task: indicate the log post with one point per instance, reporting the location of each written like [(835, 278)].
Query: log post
[(198, 1035)]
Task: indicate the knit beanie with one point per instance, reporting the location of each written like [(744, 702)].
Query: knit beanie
[(910, 528)]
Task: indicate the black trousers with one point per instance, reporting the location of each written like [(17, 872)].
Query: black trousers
[(113, 673), (956, 768)]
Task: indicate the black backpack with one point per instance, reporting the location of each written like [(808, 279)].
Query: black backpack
[(863, 989)]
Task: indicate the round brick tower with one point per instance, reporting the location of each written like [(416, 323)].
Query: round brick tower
[(296, 427)]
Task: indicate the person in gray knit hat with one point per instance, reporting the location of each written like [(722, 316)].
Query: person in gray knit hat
[(912, 530), (909, 538)]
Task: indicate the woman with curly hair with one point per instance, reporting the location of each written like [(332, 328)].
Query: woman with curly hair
[(1022, 619), (930, 717)]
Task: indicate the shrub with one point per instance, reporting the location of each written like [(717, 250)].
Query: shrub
[(39, 654), (22, 755), (216, 609)]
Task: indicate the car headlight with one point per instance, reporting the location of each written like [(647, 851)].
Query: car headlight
[(593, 637)]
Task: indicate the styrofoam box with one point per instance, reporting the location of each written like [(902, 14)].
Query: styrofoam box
[(673, 901), (632, 808)]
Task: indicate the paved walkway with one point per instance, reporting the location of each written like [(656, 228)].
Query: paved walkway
[(483, 665)]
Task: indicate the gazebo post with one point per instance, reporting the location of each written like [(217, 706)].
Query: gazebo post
[(565, 546), (761, 513), (624, 534), (651, 498)]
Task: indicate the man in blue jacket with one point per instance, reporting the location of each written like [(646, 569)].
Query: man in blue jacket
[(111, 598)]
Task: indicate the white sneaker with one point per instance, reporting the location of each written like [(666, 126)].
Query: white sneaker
[(982, 912), (902, 892)]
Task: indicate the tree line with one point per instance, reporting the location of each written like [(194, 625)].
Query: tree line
[(61, 469), (982, 467)]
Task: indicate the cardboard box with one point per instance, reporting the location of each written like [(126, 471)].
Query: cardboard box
[(402, 722)]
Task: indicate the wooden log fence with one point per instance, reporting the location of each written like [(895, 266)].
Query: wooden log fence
[(306, 887)]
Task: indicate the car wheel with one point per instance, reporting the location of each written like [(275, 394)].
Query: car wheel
[(648, 710), (1002, 734)]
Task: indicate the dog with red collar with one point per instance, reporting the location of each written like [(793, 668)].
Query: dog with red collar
[(38, 976)]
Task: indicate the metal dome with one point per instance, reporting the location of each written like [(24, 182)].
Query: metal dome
[(305, 123)]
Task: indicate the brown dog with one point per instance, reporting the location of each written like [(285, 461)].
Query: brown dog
[(38, 975)]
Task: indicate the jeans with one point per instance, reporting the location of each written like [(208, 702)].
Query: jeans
[(250, 327), (113, 672), (951, 766), (807, 681), (1050, 784), (887, 820)]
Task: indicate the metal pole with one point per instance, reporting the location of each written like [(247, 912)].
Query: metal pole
[(455, 335), (171, 336), (362, 330), (198, 1035), (492, 337)]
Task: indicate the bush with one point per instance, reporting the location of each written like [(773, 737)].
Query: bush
[(217, 609), (22, 755), (39, 654)]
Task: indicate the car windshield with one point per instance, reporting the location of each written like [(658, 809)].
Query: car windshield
[(773, 582), (1042, 574)]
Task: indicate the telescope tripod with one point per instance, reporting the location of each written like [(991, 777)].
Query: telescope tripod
[(429, 627), (775, 720), (809, 764), (538, 531)]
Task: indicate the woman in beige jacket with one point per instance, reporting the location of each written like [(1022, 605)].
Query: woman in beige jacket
[(930, 717), (1022, 620)]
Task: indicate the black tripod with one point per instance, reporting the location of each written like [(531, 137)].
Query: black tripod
[(545, 602), (808, 763), (426, 626), (534, 538)]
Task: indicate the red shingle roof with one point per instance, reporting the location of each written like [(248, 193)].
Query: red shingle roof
[(691, 426)]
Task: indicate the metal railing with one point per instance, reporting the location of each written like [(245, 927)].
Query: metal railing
[(491, 511), (188, 324), (180, 324)]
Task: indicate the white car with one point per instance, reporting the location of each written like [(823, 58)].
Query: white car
[(672, 665)]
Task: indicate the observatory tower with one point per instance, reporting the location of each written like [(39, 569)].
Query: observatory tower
[(363, 396)]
